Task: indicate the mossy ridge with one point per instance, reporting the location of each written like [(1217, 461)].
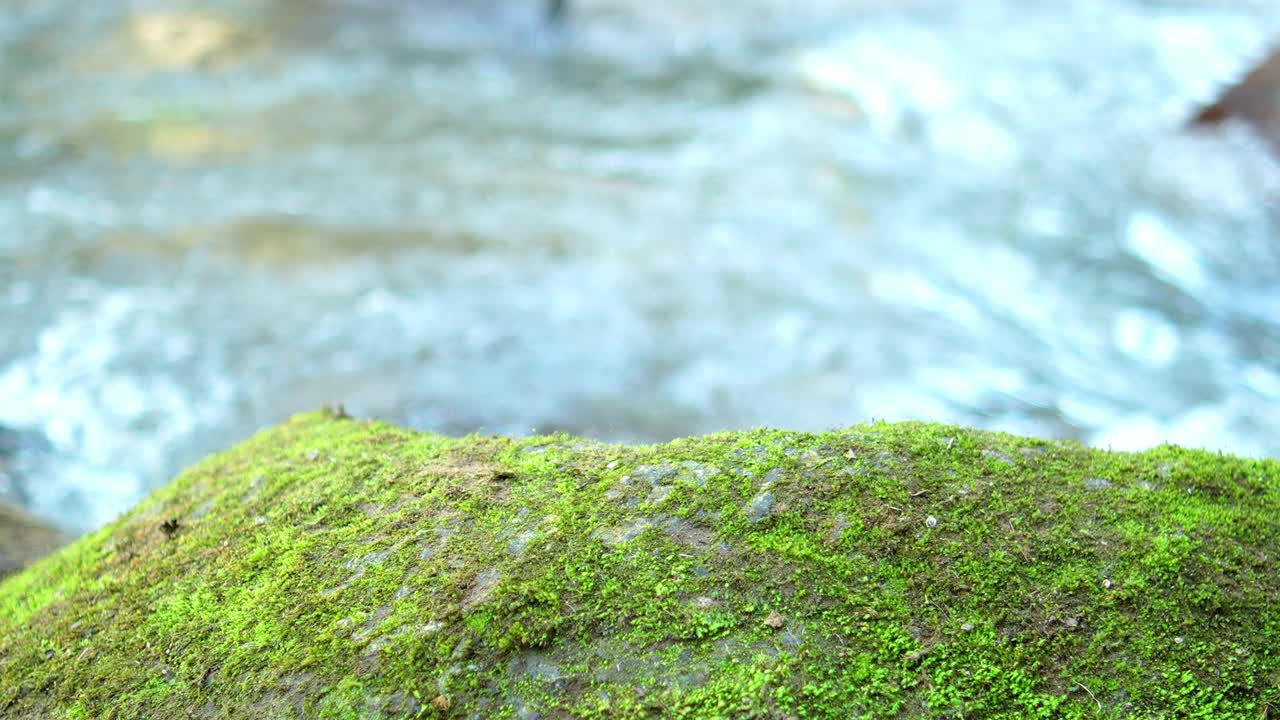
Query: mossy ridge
[(335, 568)]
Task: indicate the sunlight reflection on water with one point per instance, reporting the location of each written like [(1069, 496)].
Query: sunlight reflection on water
[(661, 221)]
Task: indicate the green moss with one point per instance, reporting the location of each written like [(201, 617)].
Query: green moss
[(336, 569)]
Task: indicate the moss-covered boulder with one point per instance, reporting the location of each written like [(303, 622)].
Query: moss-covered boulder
[(333, 568)]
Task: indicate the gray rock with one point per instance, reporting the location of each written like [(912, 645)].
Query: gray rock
[(997, 456), (624, 534), (760, 506)]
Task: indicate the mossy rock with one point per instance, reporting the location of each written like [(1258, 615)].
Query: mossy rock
[(333, 568)]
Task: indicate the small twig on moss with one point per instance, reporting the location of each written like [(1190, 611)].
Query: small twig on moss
[(1095, 698)]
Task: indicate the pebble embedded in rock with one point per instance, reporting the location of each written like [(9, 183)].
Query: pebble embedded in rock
[(997, 456), (520, 542), (775, 620), (653, 474), (761, 506), (659, 493)]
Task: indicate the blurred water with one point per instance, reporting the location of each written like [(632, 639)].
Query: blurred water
[(656, 221)]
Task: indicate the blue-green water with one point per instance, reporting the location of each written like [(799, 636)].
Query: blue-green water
[(655, 221)]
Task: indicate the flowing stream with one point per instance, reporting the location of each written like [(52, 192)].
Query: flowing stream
[(658, 219)]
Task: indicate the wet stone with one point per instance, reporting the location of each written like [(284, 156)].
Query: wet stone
[(482, 587), (810, 456), (1096, 483), (744, 457), (696, 473), (997, 456), (537, 666), (518, 544), (659, 493), (650, 474), (760, 507), (371, 623), (398, 704), (624, 534), (442, 537), (686, 472), (836, 532), (374, 558)]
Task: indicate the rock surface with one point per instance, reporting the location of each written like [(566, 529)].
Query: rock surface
[(24, 539), (333, 568), (1254, 100)]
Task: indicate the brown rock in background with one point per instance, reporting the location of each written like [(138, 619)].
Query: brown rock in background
[(1254, 100), (24, 539)]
